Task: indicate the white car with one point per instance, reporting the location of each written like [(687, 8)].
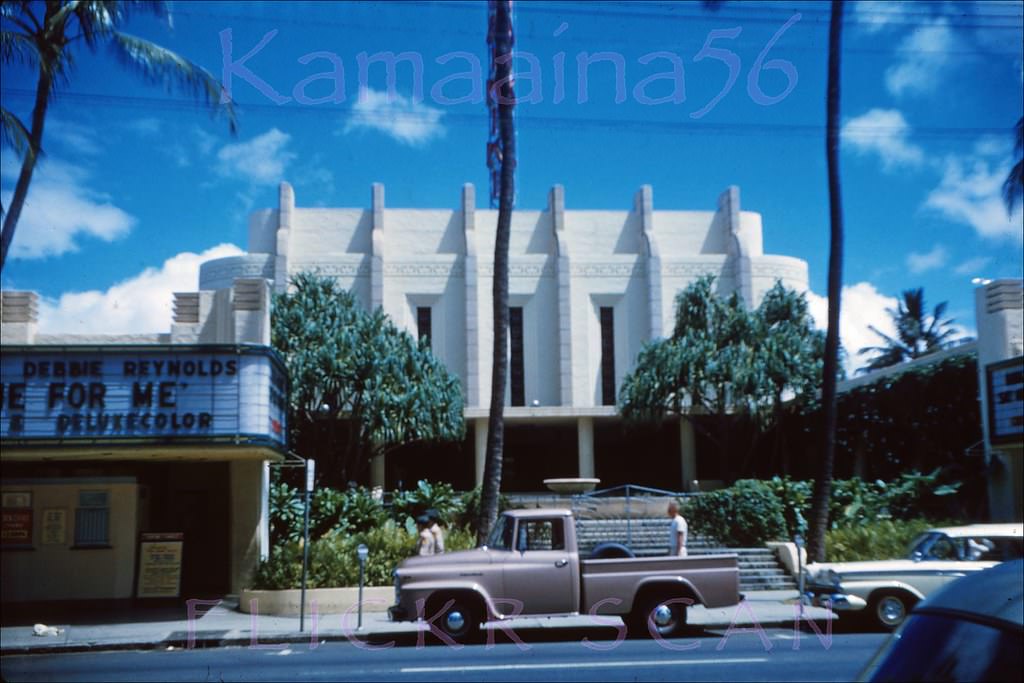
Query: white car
[(885, 590)]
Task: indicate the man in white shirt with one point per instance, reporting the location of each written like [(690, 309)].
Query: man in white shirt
[(677, 531)]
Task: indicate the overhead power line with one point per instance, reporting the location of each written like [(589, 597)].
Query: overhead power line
[(528, 35), (682, 126)]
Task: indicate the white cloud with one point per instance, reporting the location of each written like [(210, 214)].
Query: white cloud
[(923, 57), (861, 305), (409, 122), (920, 263), (875, 15), (261, 161), (74, 136), (140, 304), (60, 210), (973, 266), (971, 193), (146, 126), (883, 132)]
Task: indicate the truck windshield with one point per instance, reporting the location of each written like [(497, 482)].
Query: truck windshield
[(501, 534)]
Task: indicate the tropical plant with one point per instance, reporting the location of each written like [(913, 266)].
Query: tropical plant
[(286, 514), (45, 43), (501, 159), (439, 496), (347, 365), (1013, 186), (471, 506), (726, 364), (917, 333)]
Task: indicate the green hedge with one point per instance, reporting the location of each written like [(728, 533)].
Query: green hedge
[(752, 512), (747, 513), (881, 540), (332, 558)]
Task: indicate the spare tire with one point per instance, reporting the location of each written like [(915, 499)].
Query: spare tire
[(607, 551)]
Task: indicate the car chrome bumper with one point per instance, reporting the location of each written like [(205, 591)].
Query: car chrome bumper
[(837, 602)]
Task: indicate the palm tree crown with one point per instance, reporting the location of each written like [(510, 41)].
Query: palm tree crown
[(917, 333), (44, 43)]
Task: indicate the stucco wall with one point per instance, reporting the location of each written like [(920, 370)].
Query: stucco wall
[(59, 571)]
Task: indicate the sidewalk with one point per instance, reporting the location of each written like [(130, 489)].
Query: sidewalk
[(224, 625)]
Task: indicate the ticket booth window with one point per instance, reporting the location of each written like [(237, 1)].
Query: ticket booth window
[(92, 519)]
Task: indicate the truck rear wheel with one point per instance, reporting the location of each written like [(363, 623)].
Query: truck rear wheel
[(659, 617)]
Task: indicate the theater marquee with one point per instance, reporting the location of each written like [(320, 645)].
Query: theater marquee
[(167, 394)]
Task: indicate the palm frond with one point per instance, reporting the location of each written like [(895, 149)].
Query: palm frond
[(14, 133), (160, 65), (1013, 186)]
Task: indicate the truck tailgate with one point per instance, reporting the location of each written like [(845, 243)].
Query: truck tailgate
[(714, 579)]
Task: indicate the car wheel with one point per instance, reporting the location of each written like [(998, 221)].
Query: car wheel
[(460, 621), (890, 609), (659, 617)]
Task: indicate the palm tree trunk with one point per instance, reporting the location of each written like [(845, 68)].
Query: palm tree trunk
[(28, 166), (823, 482), (506, 198)]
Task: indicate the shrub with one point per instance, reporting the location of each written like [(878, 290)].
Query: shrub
[(795, 497), (856, 502), (285, 514), (361, 511), (471, 506), (439, 496), (459, 538), (746, 514), (880, 540), (333, 561)]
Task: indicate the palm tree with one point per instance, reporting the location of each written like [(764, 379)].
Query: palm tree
[(501, 157), (1013, 186), (917, 334), (45, 44), (823, 482)]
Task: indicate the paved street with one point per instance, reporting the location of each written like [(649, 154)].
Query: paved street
[(563, 655)]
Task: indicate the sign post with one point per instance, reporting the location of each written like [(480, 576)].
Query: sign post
[(310, 470)]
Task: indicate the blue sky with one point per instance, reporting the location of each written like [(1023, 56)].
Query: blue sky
[(139, 184)]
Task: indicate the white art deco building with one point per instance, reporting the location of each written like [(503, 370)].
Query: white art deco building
[(587, 289)]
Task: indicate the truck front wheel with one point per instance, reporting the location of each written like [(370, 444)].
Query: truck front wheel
[(459, 620), (659, 617)]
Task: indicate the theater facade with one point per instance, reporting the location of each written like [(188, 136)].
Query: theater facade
[(137, 467), (587, 289)]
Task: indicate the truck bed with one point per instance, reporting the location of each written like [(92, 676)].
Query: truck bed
[(712, 578)]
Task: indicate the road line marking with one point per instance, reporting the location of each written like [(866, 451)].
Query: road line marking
[(577, 665)]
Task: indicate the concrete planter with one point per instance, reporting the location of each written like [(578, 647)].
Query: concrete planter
[(571, 485), (285, 603)]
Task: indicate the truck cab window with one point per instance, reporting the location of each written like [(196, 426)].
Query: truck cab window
[(541, 534)]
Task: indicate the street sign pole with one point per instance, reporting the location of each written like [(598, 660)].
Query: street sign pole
[(310, 470)]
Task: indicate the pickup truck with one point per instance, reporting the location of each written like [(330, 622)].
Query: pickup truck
[(530, 566)]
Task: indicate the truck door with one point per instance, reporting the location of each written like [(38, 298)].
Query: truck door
[(539, 572)]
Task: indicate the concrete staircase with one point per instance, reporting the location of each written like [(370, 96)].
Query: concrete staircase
[(648, 537)]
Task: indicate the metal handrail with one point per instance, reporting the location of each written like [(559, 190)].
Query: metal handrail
[(628, 489)]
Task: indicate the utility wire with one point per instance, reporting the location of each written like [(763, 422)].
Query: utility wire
[(685, 125)]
